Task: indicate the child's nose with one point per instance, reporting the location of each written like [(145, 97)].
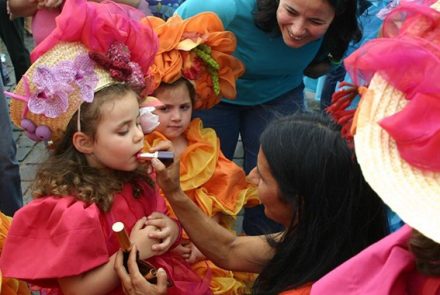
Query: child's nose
[(139, 135), (176, 116)]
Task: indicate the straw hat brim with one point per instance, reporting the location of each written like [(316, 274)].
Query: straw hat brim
[(63, 51), (412, 193)]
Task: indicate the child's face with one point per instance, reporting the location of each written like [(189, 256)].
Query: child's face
[(175, 114), (118, 135)]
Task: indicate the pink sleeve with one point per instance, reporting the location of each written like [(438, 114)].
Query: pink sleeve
[(52, 238)]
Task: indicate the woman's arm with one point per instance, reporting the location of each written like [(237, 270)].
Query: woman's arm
[(244, 253)]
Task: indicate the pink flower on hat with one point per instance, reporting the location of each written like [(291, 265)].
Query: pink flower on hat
[(54, 85)]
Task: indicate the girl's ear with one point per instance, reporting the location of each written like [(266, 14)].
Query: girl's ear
[(82, 142)]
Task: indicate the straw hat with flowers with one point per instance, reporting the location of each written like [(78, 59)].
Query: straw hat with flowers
[(397, 124), (93, 46)]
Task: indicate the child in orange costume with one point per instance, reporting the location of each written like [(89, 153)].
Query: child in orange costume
[(193, 69)]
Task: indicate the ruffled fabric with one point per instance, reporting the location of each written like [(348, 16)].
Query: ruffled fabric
[(213, 182), (218, 186), (408, 57), (54, 237), (386, 267), (9, 286), (176, 58), (98, 25)]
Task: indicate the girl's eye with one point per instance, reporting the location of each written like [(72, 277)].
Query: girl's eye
[(122, 132), (163, 109), (185, 107)]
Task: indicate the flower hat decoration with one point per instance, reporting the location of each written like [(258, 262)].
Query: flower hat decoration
[(397, 124), (200, 50), (93, 46)]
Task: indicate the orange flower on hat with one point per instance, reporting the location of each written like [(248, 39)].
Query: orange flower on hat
[(200, 50)]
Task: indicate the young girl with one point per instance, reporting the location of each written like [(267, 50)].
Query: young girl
[(216, 184), (63, 239)]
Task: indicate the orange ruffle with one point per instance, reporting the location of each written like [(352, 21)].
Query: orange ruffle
[(213, 182), (178, 37)]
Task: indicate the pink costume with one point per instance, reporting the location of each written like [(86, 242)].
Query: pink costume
[(55, 237), (43, 21), (385, 268)]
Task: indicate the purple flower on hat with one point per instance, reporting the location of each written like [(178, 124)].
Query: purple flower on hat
[(52, 96), (85, 76), (54, 85)]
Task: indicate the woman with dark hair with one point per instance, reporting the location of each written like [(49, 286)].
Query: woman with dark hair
[(278, 41), (309, 182)]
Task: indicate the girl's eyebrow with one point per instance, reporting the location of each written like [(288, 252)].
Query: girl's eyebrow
[(126, 122)]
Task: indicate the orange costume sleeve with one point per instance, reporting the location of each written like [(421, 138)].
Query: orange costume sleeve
[(9, 286), (304, 290)]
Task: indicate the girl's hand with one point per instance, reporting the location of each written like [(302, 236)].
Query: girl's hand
[(168, 232), (195, 255), (139, 236), (182, 250), (133, 283)]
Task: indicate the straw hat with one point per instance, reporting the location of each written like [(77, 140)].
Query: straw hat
[(397, 166), (48, 121), (74, 62)]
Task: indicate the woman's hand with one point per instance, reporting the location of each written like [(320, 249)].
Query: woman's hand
[(167, 233), (168, 178), (139, 236), (133, 283)]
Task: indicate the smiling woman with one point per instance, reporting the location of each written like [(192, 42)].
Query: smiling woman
[(278, 41), (309, 181), (301, 22)]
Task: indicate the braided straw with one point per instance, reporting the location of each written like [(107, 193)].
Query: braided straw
[(61, 52), (413, 193)]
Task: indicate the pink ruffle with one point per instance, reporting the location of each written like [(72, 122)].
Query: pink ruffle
[(97, 25), (408, 57)]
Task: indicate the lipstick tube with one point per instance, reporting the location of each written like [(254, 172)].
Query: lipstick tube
[(148, 270), (167, 158)]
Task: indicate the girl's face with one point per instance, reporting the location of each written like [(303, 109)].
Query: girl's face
[(175, 114), (269, 192), (119, 136), (303, 21)]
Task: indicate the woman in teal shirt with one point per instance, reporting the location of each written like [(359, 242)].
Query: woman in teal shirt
[(279, 42)]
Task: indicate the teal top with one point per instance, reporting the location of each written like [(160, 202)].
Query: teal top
[(272, 68)]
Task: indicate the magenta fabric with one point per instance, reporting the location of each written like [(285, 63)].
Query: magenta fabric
[(385, 268), (98, 25), (55, 237), (43, 23), (408, 57)]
